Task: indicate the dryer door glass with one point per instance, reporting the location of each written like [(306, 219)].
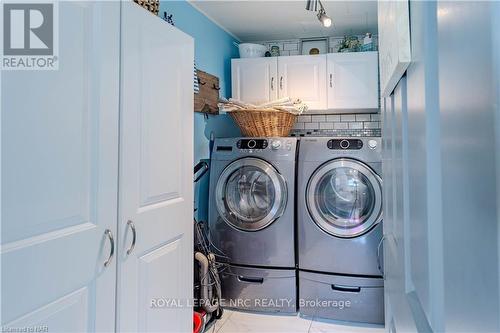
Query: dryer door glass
[(344, 198), (250, 194)]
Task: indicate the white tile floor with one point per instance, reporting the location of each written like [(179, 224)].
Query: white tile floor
[(239, 322)]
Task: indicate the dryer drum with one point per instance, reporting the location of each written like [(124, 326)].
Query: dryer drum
[(344, 197), (250, 194)]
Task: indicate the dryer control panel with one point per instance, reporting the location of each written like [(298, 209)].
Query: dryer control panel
[(345, 144)]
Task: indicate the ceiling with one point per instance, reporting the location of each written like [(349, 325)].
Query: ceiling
[(259, 20)]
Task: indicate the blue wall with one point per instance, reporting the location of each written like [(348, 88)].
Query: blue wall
[(213, 52)]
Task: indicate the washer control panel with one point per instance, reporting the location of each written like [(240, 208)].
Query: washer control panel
[(271, 148), (343, 144), (252, 144)]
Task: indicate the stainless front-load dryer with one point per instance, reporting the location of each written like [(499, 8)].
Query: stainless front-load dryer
[(251, 219), (340, 226)]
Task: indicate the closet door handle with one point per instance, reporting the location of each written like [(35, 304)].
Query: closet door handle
[(331, 80), (112, 250), (134, 234), (272, 83), (281, 82)]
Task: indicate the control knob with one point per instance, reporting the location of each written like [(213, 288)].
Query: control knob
[(275, 145), (344, 144)]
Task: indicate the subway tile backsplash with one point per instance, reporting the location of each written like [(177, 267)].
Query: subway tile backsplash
[(356, 125), (319, 118), (304, 119), (325, 126), (347, 117), (311, 126), (364, 124), (292, 46), (372, 124), (340, 125), (363, 117)]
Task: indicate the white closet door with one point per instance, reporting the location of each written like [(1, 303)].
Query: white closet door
[(156, 163), (398, 286), (303, 77), (353, 81), (254, 80), (59, 179)]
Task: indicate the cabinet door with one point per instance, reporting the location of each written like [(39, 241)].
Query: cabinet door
[(155, 258), (303, 77), (59, 179), (353, 81), (254, 79)]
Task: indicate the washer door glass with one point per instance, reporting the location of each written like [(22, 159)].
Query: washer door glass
[(344, 198), (250, 194)]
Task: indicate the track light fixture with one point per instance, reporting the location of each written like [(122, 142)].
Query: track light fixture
[(317, 6), (323, 18), (312, 5)]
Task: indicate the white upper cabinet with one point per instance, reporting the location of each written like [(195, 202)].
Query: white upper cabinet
[(353, 81), (331, 83), (254, 79), (303, 77)]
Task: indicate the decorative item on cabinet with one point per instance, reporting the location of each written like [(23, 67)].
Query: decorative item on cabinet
[(152, 5), (275, 51), (367, 43), (312, 46), (168, 18), (250, 50), (208, 96), (349, 44)]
